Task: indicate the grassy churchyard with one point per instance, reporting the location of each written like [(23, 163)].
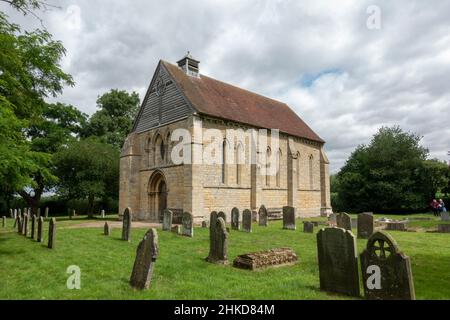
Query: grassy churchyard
[(32, 271)]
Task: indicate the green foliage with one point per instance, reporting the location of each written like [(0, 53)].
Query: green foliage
[(88, 168), (114, 121), (386, 175), (435, 177)]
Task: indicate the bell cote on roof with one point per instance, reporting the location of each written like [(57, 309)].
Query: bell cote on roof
[(189, 65)]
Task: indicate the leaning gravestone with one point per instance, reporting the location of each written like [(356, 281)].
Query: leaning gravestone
[(46, 212), (3, 221), (51, 233), (247, 221), (187, 221), (126, 225), (385, 270), (263, 222), (338, 261), (167, 220), (365, 225), (106, 229), (146, 255), (40, 234), (344, 221), (308, 227), (33, 226), (445, 216), (235, 219), (219, 243), (25, 225), (289, 218)]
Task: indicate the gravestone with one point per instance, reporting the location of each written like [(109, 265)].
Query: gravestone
[(19, 224), (11, 214), (338, 261), (176, 229), (15, 223), (219, 243), (263, 222), (365, 225), (3, 221), (263, 259), (247, 221), (205, 224), (396, 226), (289, 218), (167, 220), (126, 225), (235, 219), (188, 224), (443, 228), (15, 213), (51, 233), (445, 216), (33, 226), (308, 227), (386, 271), (46, 212), (344, 221), (222, 215), (20, 213), (102, 214), (212, 224), (106, 229), (40, 234), (146, 254), (26, 218), (38, 212)]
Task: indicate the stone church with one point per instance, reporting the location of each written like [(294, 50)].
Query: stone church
[(180, 97)]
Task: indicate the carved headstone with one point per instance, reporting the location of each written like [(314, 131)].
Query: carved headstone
[(308, 227), (344, 221), (167, 220), (445, 216), (40, 233), (51, 233), (46, 212), (146, 254), (235, 219), (263, 218), (247, 221), (126, 225), (219, 243), (33, 226), (289, 218), (385, 270), (106, 229), (188, 224), (365, 225), (338, 261)]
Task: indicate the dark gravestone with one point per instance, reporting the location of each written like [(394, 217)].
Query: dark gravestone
[(289, 218), (205, 224), (146, 255), (19, 223), (40, 233), (263, 259), (338, 261), (365, 225), (308, 227), (263, 218), (106, 229), (219, 243), (344, 221), (33, 226), (247, 221), (126, 225), (3, 221), (46, 212), (212, 225), (167, 220), (235, 219), (51, 233), (188, 224), (222, 215), (385, 270), (26, 219)]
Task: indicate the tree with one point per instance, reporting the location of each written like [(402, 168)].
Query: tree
[(88, 169), (435, 177), (385, 175), (114, 120)]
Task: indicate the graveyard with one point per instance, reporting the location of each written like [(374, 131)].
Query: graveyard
[(33, 271)]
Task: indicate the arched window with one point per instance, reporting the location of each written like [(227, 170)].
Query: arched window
[(224, 160), (268, 167), (311, 179), (162, 150), (149, 150), (239, 163), (278, 176)]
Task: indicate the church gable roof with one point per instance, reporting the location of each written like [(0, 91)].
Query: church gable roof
[(221, 100)]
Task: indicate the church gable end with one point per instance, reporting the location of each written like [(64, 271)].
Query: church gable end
[(163, 103)]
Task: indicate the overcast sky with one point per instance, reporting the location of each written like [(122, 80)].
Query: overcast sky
[(343, 78)]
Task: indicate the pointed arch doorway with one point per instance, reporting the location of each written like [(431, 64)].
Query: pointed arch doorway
[(157, 196)]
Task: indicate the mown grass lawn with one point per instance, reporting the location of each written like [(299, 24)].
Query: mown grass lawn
[(28, 270)]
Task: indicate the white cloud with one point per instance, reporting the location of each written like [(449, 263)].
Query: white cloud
[(361, 79)]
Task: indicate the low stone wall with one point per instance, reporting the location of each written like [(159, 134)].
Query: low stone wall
[(264, 259), (396, 226)]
